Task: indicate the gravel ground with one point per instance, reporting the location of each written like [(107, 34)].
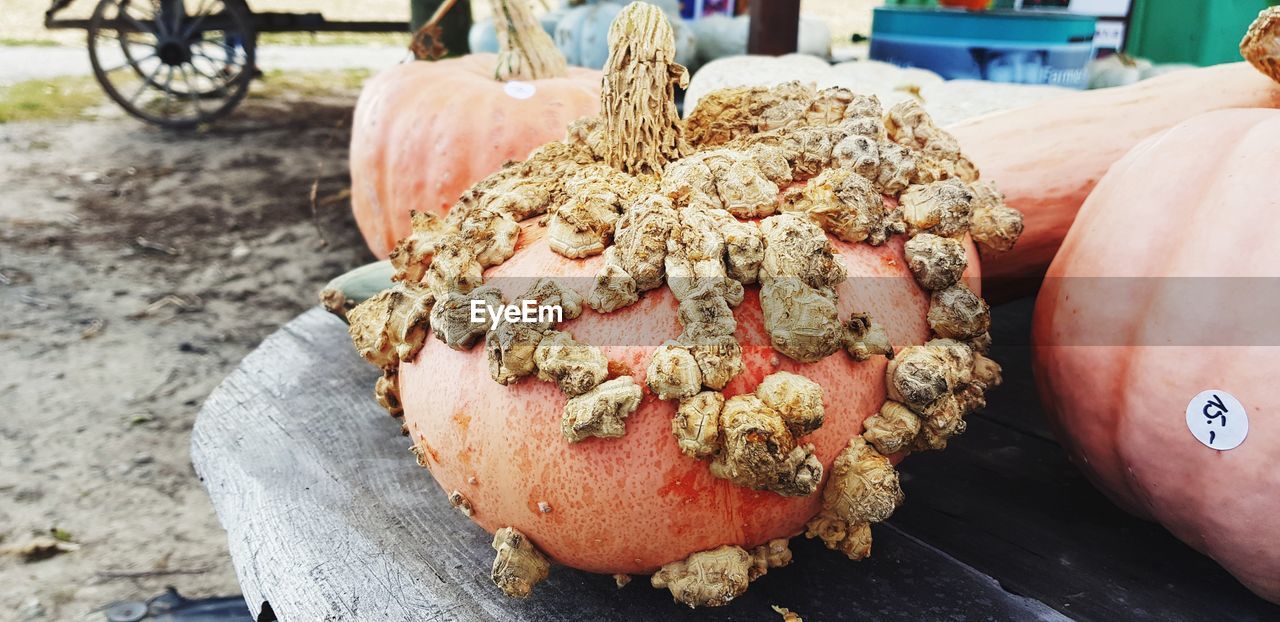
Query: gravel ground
[(136, 268)]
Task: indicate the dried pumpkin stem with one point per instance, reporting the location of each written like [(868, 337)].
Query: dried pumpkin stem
[(352, 288), (1261, 45), (526, 52), (642, 129), (426, 44)]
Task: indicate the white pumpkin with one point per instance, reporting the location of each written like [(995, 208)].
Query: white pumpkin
[(1122, 69), (1116, 70), (952, 101), (888, 82), (1163, 68), (583, 33), (947, 101), (483, 37), (720, 36)]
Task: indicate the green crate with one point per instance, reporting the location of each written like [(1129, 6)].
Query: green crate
[(1200, 32)]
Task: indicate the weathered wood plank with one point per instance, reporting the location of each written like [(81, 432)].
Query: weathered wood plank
[(329, 518)]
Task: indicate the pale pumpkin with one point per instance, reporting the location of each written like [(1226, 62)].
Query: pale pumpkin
[(1047, 157), (948, 101), (654, 427), (1163, 288), (582, 33), (720, 36), (423, 131)]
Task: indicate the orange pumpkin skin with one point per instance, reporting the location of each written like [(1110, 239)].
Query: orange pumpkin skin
[(632, 504), (424, 132), (1196, 201), (1047, 157)]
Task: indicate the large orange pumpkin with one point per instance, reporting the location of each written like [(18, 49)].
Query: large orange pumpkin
[(1164, 288), (1047, 157), (718, 454), (426, 131), (632, 504)]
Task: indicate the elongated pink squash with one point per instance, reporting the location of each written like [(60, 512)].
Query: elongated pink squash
[(1145, 307), (1047, 157)]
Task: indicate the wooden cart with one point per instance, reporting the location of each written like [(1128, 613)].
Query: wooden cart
[(179, 63)]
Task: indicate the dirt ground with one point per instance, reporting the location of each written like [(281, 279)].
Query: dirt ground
[(137, 266)]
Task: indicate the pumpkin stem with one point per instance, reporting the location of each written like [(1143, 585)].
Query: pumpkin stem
[(354, 287), (527, 52), (426, 43), (643, 132), (1261, 45)]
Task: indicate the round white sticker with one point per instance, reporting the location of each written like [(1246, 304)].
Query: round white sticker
[(1217, 419), (519, 90)]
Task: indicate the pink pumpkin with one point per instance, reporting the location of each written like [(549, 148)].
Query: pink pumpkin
[(632, 504), (1144, 308)]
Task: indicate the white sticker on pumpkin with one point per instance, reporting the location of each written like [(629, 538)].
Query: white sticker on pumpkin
[(1217, 419), (519, 90)]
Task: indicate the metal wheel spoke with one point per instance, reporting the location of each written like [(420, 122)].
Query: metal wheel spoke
[(168, 91), (130, 63), (123, 41), (236, 60), (137, 24), (191, 92), (224, 48), (201, 13), (219, 85), (215, 62), (161, 28), (148, 81)]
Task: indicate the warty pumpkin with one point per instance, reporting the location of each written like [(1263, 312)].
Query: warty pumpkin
[(692, 408), (1164, 288), (426, 131)]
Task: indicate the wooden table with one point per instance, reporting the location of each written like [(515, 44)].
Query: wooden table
[(329, 518)]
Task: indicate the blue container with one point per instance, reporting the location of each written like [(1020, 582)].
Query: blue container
[(1026, 47)]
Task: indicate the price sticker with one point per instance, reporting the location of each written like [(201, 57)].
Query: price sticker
[(1217, 419), (519, 90)]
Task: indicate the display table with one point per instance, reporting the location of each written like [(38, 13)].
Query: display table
[(329, 518)]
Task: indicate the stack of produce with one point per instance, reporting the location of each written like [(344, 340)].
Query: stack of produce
[(710, 270), (764, 307)]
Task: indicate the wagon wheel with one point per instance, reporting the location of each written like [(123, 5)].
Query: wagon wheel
[(173, 63)]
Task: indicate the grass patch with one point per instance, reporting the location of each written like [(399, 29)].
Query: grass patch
[(72, 97), (277, 84), (398, 39), (44, 43), (67, 97)]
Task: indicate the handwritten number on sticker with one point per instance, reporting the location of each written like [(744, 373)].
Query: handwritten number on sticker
[(1220, 414), (1217, 419)]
